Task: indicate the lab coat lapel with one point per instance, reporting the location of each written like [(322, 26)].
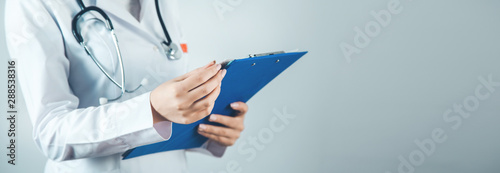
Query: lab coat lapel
[(149, 19), (114, 9), (144, 6)]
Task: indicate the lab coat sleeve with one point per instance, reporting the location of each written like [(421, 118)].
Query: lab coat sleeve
[(61, 130)]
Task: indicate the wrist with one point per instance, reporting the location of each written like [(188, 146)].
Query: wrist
[(157, 117)]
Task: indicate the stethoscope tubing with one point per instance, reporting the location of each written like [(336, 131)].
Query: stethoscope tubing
[(163, 27), (109, 25)]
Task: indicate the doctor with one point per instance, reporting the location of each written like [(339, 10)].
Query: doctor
[(88, 106)]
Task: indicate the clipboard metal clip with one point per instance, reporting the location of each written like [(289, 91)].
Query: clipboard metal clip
[(265, 54), (226, 63)]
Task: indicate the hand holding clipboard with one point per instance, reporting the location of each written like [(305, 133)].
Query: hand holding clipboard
[(244, 78)]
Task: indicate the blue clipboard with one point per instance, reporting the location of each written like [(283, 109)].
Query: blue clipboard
[(244, 78)]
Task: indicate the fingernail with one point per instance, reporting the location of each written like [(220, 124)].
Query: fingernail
[(202, 127), (210, 63), (218, 66), (213, 117), (235, 105), (224, 72)]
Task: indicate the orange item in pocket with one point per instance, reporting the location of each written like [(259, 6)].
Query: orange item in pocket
[(184, 47)]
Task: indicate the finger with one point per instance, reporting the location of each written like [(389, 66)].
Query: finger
[(206, 102), (220, 139), (184, 76), (202, 108), (240, 107), (200, 114), (206, 88), (231, 122), (199, 77), (219, 131)]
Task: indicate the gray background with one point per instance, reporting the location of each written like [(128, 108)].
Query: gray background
[(350, 117)]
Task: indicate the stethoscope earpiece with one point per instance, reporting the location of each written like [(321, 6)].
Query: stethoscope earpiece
[(144, 82), (103, 101)]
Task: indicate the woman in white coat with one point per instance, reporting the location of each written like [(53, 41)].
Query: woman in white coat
[(62, 87)]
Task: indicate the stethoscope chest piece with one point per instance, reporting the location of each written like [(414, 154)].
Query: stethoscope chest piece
[(172, 51)]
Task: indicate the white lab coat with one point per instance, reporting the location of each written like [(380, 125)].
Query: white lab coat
[(62, 86)]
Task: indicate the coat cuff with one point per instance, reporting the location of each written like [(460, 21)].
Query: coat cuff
[(142, 130)]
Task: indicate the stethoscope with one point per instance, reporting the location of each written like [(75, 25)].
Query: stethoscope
[(171, 49)]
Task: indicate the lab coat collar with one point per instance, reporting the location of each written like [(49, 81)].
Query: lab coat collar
[(120, 13), (111, 7)]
